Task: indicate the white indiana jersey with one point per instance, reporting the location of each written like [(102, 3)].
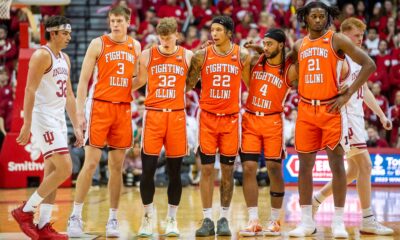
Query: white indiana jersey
[(355, 105), (51, 95)]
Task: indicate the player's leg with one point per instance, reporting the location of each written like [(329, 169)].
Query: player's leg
[(249, 155), (208, 139)]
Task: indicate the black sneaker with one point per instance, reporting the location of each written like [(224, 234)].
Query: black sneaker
[(206, 229)]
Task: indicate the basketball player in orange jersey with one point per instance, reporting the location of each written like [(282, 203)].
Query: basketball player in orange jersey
[(358, 159), (322, 122), (221, 67), (164, 68), (112, 59), (48, 94), (262, 128)]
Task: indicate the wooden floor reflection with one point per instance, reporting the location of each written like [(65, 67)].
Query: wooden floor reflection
[(386, 205)]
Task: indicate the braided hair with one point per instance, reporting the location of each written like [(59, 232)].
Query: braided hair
[(302, 13)]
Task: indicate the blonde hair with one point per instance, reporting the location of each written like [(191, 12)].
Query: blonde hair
[(352, 23), (121, 11), (166, 26)]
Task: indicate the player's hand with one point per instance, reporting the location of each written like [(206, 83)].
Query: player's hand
[(24, 134), (79, 137), (251, 45), (206, 44), (386, 123), (343, 97), (81, 121)]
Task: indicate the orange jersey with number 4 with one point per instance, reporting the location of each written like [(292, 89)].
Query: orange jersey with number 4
[(220, 81), (115, 67), (319, 68), (268, 88), (166, 79)]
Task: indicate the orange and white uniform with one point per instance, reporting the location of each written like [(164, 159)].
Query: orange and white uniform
[(109, 110), (165, 119), (220, 102), (319, 83), (262, 121)]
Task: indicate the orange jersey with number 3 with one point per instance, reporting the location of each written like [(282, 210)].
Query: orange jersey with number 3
[(268, 88), (320, 68), (220, 81), (166, 79), (115, 67)]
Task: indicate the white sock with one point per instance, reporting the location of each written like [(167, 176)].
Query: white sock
[(172, 209), (33, 202), (77, 210), (275, 212), (45, 214), (318, 198), (306, 212), (112, 214), (339, 212), (149, 209), (253, 213), (367, 214), (224, 212), (207, 213)]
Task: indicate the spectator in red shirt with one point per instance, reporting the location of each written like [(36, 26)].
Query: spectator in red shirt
[(360, 11), (192, 42), (150, 19), (388, 32), (383, 103), (203, 13), (265, 22), (172, 9), (243, 28), (6, 99), (8, 50), (374, 140), (244, 8), (376, 18), (225, 7)]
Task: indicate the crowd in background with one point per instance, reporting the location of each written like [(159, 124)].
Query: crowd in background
[(252, 19)]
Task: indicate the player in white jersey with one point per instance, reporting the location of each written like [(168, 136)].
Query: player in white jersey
[(358, 159), (48, 94)]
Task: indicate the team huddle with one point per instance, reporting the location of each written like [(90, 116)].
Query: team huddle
[(329, 70)]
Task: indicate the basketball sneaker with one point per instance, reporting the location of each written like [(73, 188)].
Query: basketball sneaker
[(371, 226), (112, 228), (47, 232), (253, 228), (338, 229), (171, 230), (146, 228), (306, 228), (223, 227), (75, 227), (25, 221), (273, 228), (206, 229)]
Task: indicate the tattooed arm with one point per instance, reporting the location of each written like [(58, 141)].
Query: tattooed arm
[(194, 69), (245, 59)]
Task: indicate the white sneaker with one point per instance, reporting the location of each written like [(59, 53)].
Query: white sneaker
[(306, 228), (112, 228), (146, 228), (338, 229), (374, 227), (75, 227), (171, 230)]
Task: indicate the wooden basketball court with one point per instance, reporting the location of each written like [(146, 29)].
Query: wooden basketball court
[(385, 202)]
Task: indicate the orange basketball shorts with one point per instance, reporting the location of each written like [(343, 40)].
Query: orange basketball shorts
[(317, 129), (109, 124), (219, 133), (263, 132), (166, 129)]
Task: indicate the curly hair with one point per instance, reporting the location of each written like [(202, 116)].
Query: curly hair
[(302, 13)]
